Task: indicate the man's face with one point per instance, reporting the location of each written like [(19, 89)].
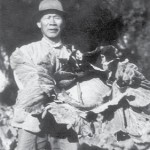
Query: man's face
[(51, 25)]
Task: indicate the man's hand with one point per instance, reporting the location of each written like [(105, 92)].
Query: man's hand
[(48, 108)]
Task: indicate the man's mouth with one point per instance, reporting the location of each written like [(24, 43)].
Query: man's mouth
[(53, 30)]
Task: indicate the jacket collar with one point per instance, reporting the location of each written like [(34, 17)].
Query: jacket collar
[(57, 45)]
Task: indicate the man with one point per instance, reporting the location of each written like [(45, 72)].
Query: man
[(34, 83)]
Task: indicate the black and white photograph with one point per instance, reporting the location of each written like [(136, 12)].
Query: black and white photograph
[(74, 75)]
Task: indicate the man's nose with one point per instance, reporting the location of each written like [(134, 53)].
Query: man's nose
[(52, 21)]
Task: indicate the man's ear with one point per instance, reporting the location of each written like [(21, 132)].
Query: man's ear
[(38, 24)]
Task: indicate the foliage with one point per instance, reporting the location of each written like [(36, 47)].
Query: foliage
[(8, 134), (124, 23)]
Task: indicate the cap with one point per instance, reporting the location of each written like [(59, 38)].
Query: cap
[(49, 6)]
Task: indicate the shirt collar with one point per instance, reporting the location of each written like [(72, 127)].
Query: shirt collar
[(57, 45)]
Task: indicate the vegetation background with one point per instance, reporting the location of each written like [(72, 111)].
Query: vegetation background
[(90, 23)]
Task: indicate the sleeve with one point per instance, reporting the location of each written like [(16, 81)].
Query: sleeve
[(32, 93)]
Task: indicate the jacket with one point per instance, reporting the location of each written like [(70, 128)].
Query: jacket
[(25, 62)]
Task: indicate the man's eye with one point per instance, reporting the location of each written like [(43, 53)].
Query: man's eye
[(58, 18)]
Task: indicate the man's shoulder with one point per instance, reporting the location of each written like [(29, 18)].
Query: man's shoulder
[(25, 50), (30, 45)]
